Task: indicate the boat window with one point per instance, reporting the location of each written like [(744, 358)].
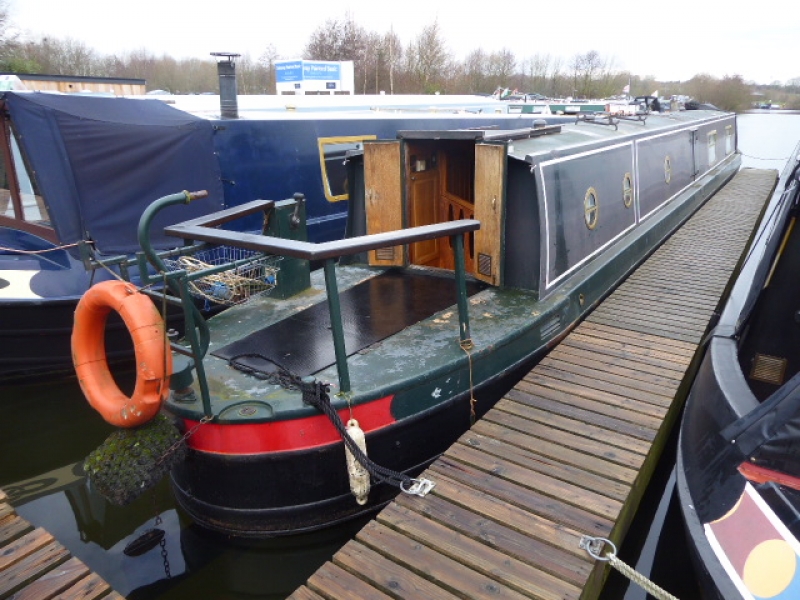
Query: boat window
[(332, 153), (33, 206), (667, 169), (627, 190), (712, 148), (591, 208), (6, 206), (728, 139)]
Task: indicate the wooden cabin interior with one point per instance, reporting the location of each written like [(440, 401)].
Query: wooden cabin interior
[(439, 179)]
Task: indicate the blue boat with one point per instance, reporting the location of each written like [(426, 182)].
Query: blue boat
[(83, 168)]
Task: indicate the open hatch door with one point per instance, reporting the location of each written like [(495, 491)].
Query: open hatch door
[(490, 176), (384, 198), (427, 178)]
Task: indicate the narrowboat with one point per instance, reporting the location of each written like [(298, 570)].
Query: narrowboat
[(83, 168), (469, 253), (738, 479)]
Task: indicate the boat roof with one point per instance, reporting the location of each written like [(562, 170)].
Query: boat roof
[(265, 106), (531, 145)]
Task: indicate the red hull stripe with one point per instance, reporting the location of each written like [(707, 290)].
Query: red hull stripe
[(285, 436)]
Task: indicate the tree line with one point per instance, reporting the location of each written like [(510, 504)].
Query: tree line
[(382, 63)]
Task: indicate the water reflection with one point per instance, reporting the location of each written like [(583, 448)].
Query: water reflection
[(50, 429)]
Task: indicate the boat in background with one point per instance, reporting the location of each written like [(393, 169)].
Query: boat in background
[(738, 468), (618, 107), (253, 105), (469, 253), (82, 168)]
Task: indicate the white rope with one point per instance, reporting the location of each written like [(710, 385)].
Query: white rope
[(592, 545), (358, 474)]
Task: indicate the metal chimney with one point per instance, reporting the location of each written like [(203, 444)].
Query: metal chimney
[(226, 69)]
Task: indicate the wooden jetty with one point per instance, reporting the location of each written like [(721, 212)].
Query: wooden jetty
[(570, 449), (33, 565)]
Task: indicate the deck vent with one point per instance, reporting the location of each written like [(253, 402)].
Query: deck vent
[(384, 253), (769, 369), (484, 264), (550, 327)]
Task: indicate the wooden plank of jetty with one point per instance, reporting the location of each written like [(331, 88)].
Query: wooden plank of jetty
[(570, 449), (35, 566)]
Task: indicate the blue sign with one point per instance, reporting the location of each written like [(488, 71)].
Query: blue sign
[(303, 70), (289, 71), (325, 71)]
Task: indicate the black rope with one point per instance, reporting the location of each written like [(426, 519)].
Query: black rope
[(280, 376), (315, 393)]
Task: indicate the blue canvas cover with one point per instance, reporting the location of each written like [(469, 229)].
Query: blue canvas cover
[(99, 161)]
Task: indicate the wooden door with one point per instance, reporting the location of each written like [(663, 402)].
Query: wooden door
[(423, 194), (383, 198), (490, 163)]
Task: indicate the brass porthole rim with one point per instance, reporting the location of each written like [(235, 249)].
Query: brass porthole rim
[(591, 212), (627, 190)]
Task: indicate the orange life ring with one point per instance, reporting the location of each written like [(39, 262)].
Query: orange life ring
[(153, 359)]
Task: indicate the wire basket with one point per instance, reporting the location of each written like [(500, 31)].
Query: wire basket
[(233, 286)]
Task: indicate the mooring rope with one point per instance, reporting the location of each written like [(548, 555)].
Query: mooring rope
[(466, 346), (592, 545), (783, 158), (315, 393)]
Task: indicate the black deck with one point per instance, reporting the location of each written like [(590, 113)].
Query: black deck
[(371, 311)]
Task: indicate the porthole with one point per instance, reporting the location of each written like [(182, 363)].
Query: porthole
[(591, 208), (667, 169), (627, 190)]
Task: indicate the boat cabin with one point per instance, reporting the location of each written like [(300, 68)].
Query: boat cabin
[(549, 199), (445, 176)]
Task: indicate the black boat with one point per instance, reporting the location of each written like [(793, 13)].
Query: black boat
[(738, 464)]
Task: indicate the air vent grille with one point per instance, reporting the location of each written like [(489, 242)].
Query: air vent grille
[(384, 253), (769, 369), (484, 264), (550, 327)]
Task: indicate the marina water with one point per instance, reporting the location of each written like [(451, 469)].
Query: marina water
[(48, 429)]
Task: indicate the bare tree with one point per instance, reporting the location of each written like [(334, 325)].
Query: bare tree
[(267, 62), (340, 40), (729, 93), (140, 64), (501, 67), (374, 58), (585, 70), (536, 75), (475, 70), (557, 87), (251, 76), (428, 59), (65, 56), (394, 55)]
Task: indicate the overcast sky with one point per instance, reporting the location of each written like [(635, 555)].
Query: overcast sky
[(670, 40)]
